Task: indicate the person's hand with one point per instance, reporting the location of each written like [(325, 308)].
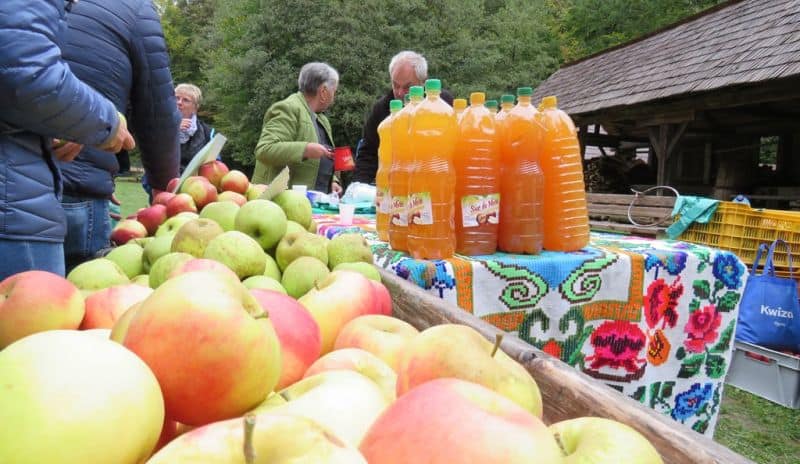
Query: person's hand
[(336, 188), (317, 151), (186, 123), (115, 216), (66, 151), (121, 139)]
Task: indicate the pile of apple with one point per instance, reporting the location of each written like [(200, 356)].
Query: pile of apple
[(240, 338)]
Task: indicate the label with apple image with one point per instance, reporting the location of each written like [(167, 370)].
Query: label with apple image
[(477, 210), (420, 209), (399, 211), (382, 203)]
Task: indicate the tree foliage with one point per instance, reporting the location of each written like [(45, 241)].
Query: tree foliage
[(246, 54)]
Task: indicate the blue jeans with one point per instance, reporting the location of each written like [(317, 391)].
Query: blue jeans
[(25, 255), (88, 228)]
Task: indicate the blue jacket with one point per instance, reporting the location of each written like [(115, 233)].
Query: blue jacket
[(40, 98), (118, 48)]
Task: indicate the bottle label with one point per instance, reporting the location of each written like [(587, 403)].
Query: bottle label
[(399, 211), (382, 203), (477, 210), (420, 209)]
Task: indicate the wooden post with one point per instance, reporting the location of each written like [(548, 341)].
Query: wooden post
[(664, 138)]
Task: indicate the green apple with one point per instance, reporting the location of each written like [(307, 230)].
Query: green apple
[(221, 212), (297, 244), (141, 279), (64, 389), (162, 268), (312, 226), (367, 269), (97, 274), (296, 206), (344, 401), (157, 248), (275, 438), (194, 236), (292, 226), (129, 257), (302, 274), (459, 351), (348, 248), (263, 220), (264, 282), (595, 439), (171, 225), (238, 251), (272, 269)]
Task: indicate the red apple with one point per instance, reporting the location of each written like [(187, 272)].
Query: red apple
[(213, 171), (384, 336), (383, 297), (104, 307), (363, 362), (35, 301), (338, 298), (162, 198), (448, 421), (182, 202), (127, 229), (200, 189), (235, 181), (297, 332), (210, 345), (152, 217), (228, 195), (173, 184)]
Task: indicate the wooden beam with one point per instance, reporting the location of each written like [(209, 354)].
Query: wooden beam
[(665, 139), (668, 117)]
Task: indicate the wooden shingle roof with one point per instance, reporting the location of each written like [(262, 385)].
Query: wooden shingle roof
[(741, 42)]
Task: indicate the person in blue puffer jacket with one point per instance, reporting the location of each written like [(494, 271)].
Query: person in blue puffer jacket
[(118, 48), (41, 99)]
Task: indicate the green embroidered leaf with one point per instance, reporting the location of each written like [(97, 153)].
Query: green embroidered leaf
[(724, 342), (666, 390), (718, 285), (639, 394), (701, 289), (680, 353), (700, 426), (694, 305), (701, 267), (691, 366), (654, 390), (715, 366), (728, 301)]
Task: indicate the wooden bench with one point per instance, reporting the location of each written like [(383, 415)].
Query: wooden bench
[(609, 212)]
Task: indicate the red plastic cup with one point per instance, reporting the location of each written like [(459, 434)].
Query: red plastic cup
[(343, 159)]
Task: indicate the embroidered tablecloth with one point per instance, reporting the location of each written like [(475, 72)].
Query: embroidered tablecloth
[(652, 318)]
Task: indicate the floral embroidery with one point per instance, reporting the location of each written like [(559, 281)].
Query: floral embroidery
[(617, 344), (728, 269), (658, 348), (688, 403), (702, 328), (661, 303), (552, 348), (673, 262)]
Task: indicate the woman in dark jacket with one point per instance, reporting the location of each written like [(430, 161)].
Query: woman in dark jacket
[(194, 134)]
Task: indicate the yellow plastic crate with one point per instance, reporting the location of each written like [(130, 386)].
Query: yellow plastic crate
[(739, 228)]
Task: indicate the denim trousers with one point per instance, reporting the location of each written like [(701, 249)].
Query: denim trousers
[(25, 255), (88, 228)]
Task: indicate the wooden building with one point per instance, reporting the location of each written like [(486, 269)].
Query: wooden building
[(703, 94)]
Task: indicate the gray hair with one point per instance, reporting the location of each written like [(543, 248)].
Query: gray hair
[(313, 75), (416, 60)]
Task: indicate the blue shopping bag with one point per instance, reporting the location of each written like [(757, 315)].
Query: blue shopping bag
[(769, 313)]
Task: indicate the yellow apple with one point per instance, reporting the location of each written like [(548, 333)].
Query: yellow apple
[(595, 439), (69, 397), (363, 362), (454, 350), (384, 336)]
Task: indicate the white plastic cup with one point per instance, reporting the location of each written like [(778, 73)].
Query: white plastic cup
[(300, 188), (346, 212)]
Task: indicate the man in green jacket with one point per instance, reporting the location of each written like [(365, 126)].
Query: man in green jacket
[(297, 135)]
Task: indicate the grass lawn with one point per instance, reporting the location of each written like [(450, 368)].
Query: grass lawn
[(753, 427)]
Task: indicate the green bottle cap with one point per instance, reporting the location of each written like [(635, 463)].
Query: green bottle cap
[(407, 97), (507, 99), (433, 85), (395, 105), (524, 91), (416, 91), (491, 104)]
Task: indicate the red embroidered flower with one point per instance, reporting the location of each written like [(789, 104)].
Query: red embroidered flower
[(660, 303), (552, 348), (617, 345), (702, 328), (658, 348)]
